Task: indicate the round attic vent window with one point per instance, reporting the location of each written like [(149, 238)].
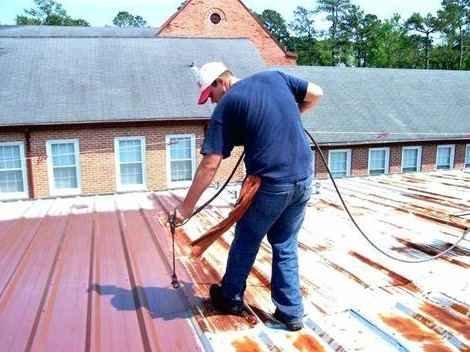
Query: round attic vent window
[(215, 18)]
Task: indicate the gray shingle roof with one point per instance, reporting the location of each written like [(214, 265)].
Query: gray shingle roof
[(54, 75), (75, 80), (388, 100), (73, 31)]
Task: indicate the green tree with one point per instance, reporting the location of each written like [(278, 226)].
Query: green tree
[(455, 17), (363, 31), (125, 19), (303, 23), (395, 48), (309, 51), (427, 26), (48, 12), (336, 12), (276, 24)]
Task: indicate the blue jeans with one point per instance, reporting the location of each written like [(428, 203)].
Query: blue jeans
[(278, 210)]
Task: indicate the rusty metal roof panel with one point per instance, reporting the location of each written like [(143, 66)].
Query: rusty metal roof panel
[(93, 273)]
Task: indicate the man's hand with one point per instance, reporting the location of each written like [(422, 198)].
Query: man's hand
[(204, 175), (314, 93), (181, 214)]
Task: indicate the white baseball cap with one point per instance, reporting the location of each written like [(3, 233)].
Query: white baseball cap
[(207, 74)]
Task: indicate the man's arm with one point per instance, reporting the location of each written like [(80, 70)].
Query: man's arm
[(312, 97), (204, 175)]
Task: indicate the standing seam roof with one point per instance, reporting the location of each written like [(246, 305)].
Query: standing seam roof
[(93, 273)]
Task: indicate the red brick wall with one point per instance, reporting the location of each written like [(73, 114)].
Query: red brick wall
[(459, 160), (395, 159), (428, 158), (320, 170), (360, 157), (97, 158), (11, 137), (194, 21), (360, 161)]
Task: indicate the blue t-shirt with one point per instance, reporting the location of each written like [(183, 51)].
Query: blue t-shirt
[(261, 113)]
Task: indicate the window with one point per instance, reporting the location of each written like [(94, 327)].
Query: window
[(379, 161), (215, 18), (64, 166), (339, 162), (411, 159), (12, 171), (181, 159), (314, 156), (467, 157), (445, 157), (130, 163)]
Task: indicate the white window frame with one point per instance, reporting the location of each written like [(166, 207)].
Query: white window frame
[(348, 159), (179, 184), (387, 160), (126, 188), (419, 160), (50, 168), (17, 195), (466, 164), (452, 155), (314, 153)]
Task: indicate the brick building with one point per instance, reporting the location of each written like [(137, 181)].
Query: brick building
[(88, 115), (381, 121), (225, 19), (103, 110)]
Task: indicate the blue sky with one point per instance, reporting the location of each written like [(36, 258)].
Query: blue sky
[(102, 12)]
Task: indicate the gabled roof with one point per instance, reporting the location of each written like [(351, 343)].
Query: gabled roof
[(268, 32), (74, 32), (411, 104), (78, 80)]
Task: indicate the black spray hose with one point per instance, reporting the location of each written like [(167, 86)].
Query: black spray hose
[(173, 225), (325, 163)]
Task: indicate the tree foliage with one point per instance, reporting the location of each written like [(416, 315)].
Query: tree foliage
[(125, 19), (356, 38), (336, 12), (276, 24), (48, 12)]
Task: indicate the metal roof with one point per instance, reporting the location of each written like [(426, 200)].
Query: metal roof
[(411, 105), (92, 273), (78, 80), (75, 32)]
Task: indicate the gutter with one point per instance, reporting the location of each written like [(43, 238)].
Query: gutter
[(107, 123), (402, 141)]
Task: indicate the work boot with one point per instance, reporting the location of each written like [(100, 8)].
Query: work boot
[(291, 324), (223, 305)]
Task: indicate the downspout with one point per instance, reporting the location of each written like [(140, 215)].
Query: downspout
[(29, 163)]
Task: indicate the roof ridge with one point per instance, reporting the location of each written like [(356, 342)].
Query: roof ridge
[(117, 37)]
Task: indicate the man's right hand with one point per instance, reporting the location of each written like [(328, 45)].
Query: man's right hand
[(181, 214)]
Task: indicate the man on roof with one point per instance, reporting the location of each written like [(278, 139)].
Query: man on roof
[(262, 113)]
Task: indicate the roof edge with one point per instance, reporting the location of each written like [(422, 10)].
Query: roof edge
[(100, 122), (403, 141), (172, 17)]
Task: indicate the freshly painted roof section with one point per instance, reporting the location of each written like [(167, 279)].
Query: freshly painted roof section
[(78, 80), (93, 273), (387, 105)]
